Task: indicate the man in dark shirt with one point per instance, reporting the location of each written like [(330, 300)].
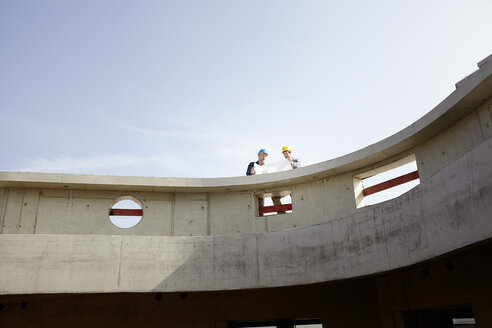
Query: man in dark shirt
[(262, 154)]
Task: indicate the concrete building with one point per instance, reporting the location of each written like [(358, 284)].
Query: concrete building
[(202, 256)]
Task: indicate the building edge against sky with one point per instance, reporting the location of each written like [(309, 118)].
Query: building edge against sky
[(203, 247)]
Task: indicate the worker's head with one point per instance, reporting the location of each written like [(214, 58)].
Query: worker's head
[(262, 154), (286, 151)]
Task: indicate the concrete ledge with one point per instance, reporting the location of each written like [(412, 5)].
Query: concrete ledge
[(450, 210), (473, 92)]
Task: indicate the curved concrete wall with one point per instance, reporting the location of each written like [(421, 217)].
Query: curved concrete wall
[(203, 234)]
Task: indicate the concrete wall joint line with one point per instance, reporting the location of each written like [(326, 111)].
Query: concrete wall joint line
[(257, 260), (37, 211), (119, 262), (20, 212), (70, 204), (173, 210), (214, 261), (385, 239), (208, 214), (252, 205), (4, 208), (480, 124)]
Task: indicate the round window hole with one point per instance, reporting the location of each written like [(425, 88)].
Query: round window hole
[(125, 212)]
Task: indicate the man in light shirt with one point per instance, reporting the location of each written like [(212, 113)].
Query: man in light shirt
[(287, 152), (294, 163)]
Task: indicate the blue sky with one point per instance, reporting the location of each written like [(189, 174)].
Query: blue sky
[(195, 88)]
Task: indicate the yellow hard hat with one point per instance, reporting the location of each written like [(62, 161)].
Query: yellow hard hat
[(286, 148)]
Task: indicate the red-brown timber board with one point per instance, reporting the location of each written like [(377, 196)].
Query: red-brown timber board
[(275, 208), (125, 212), (391, 183)]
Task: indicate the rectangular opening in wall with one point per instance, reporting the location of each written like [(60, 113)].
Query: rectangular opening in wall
[(460, 316), (283, 323), (464, 322), (386, 182), (273, 203), (309, 325)]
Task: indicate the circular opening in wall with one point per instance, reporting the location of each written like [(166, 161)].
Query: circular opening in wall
[(125, 212)]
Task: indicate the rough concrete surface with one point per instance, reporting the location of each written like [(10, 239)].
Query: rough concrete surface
[(205, 235)]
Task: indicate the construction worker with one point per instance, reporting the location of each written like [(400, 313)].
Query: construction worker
[(295, 163), (262, 154), (287, 152)]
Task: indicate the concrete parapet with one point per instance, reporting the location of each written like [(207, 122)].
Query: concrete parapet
[(204, 234), (450, 210)]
